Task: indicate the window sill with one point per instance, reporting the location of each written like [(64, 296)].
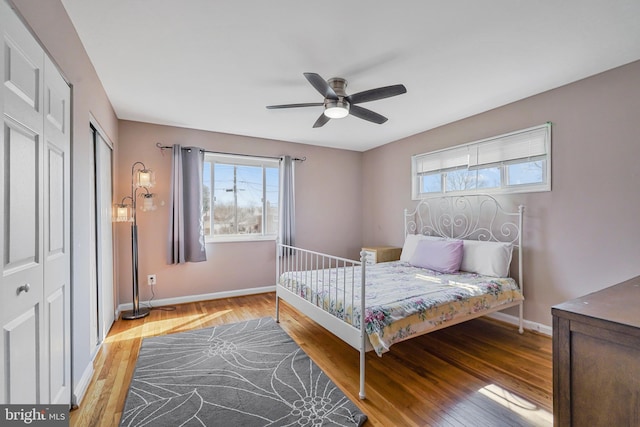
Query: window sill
[(512, 189), (237, 239)]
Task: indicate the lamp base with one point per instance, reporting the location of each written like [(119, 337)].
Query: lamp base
[(132, 315)]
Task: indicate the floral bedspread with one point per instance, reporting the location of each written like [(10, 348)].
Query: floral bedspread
[(401, 300)]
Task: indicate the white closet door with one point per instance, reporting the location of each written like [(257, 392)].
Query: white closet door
[(21, 231), (104, 239), (34, 222)]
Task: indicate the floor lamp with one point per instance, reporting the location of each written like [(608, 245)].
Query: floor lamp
[(141, 179)]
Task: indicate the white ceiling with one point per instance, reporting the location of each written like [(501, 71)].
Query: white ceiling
[(215, 65)]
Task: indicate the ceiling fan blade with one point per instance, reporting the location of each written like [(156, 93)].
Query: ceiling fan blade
[(322, 120), (375, 94), (308, 104), (363, 113), (321, 85)]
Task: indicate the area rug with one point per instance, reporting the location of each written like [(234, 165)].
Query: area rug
[(241, 374)]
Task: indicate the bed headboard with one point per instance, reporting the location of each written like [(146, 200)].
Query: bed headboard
[(472, 217)]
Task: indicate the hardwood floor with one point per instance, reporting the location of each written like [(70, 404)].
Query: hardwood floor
[(479, 373)]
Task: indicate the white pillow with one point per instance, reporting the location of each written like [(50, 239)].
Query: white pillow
[(410, 244), (486, 258)]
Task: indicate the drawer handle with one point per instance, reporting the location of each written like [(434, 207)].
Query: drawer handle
[(24, 288)]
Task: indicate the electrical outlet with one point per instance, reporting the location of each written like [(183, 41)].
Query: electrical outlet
[(151, 280)]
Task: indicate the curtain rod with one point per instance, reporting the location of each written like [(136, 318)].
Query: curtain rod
[(164, 147)]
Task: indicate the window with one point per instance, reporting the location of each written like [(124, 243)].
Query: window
[(511, 163), (240, 197)]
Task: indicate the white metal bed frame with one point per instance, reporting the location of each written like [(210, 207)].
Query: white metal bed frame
[(472, 217)]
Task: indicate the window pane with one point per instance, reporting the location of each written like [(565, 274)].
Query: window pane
[(431, 183), (460, 180), (224, 204), (489, 178), (526, 173), (249, 196), (272, 177), (464, 179), (241, 194)]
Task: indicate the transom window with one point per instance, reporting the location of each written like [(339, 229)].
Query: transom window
[(511, 163), (240, 197)]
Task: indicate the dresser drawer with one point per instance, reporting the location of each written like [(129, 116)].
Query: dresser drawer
[(371, 256)]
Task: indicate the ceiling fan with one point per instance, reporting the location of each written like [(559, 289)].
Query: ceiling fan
[(337, 104)]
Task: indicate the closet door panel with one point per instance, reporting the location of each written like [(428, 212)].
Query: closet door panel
[(55, 203), (21, 340), (57, 234), (22, 199), (55, 309), (23, 74)]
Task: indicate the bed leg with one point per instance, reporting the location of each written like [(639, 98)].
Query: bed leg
[(362, 365), (277, 309), (521, 325)]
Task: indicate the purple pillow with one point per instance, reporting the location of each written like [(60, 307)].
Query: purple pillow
[(444, 256)]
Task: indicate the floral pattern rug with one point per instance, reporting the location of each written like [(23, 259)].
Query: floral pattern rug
[(241, 374)]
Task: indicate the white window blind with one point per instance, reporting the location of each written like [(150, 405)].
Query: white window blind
[(241, 160), (525, 144), (443, 160)]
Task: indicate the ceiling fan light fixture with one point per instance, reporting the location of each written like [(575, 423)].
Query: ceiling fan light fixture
[(336, 109), (337, 104)]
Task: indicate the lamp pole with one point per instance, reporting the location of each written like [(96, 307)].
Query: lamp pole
[(137, 312)]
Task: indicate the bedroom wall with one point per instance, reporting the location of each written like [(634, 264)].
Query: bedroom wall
[(582, 236), (328, 212), (52, 26)]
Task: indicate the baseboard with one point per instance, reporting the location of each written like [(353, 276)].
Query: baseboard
[(80, 388), (528, 324), (201, 297)]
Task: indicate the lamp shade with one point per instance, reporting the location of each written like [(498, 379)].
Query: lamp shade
[(144, 178), (122, 212), (147, 202)]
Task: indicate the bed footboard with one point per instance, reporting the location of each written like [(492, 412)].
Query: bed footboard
[(328, 289)]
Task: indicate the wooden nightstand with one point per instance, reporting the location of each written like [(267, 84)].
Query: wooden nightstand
[(376, 254)]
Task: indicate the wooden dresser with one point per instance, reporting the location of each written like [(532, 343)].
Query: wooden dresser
[(596, 358)]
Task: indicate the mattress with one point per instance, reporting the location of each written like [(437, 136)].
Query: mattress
[(401, 300)]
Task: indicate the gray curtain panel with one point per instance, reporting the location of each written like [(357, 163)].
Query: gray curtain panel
[(287, 220), (186, 229)]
